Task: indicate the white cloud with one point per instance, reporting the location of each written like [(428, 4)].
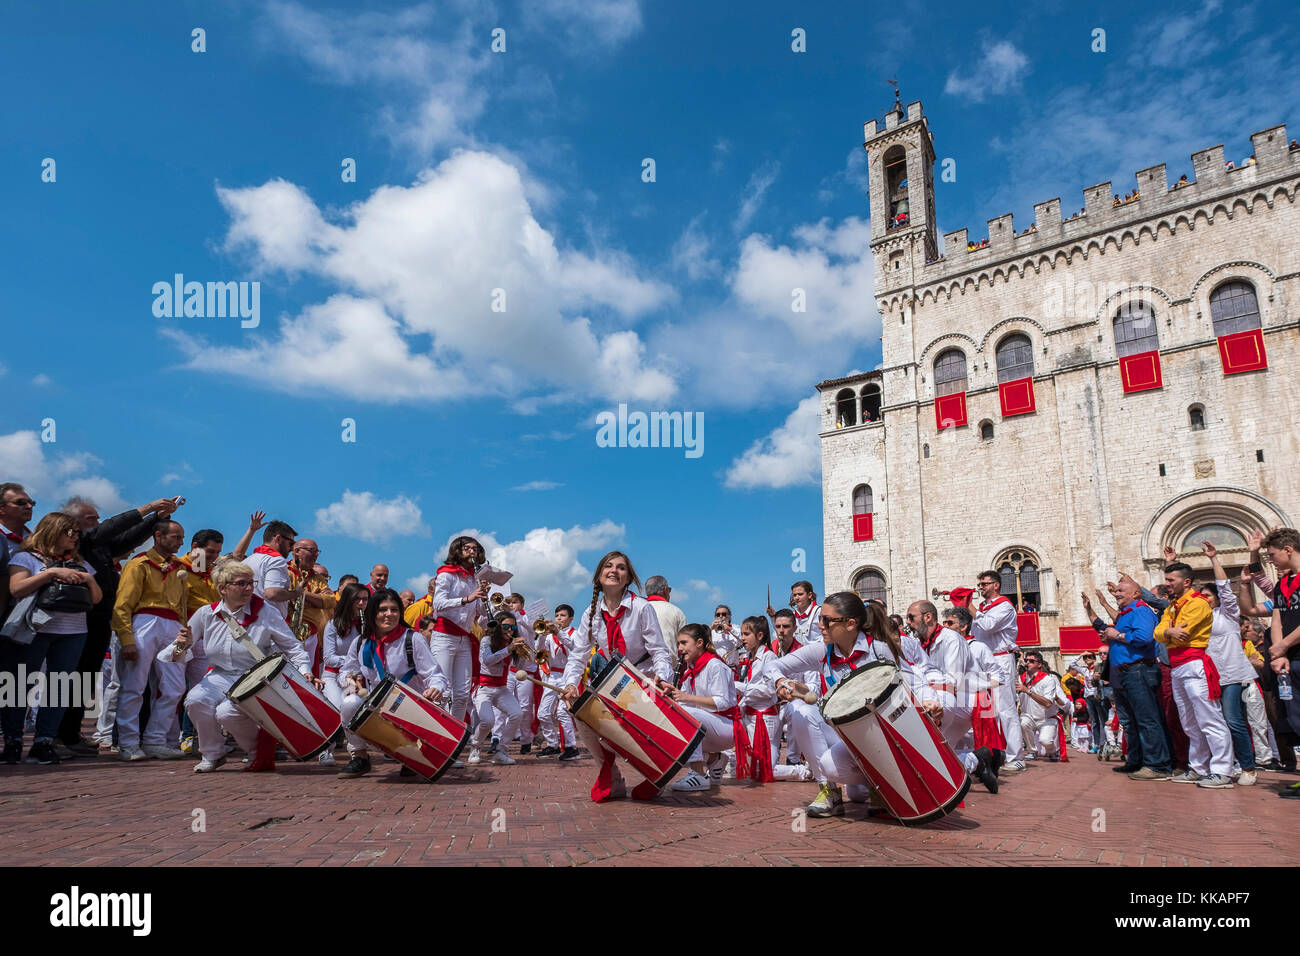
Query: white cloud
[(831, 264), (999, 70), (706, 589), (691, 253), (41, 380), (545, 561), (760, 181), (789, 456), (427, 260), (539, 486), (604, 23), (54, 479), (371, 519)]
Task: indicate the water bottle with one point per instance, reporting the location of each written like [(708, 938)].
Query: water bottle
[(1283, 686)]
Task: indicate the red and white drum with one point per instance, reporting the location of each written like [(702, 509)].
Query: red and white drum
[(899, 749), (420, 735), (652, 733), (286, 705)]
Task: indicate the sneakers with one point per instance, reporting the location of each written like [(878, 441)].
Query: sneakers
[(1187, 776), (1292, 792), (474, 756), (107, 750), (1146, 773), (984, 772), (189, 745), (207, 766), (1246, 778), (495, 745), (1271, 765), (570, 753), (42, 752), (827, 803), (503, 759), (715, 767), (1015, 766), (358, 766), (1215, 781), (132, 754), (547, 752), (691, 783), (326, 759), (162, 752), (13, 752)]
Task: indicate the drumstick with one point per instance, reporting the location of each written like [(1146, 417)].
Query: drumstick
[(522, 674), (181, 575), (801, 692)]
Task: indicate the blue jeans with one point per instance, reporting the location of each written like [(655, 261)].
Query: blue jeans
[(1097, 714), (60, 653), (1137, 693), (1234, 712)]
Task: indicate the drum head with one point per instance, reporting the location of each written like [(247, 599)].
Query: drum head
[(855, 694), (374, 700), (255, 677)]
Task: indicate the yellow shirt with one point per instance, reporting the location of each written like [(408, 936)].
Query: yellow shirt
[(149, 581), (314, 617), (417, 610), (199, 588), (1193, 614)]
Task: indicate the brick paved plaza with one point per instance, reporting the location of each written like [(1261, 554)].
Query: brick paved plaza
[(100, 812)]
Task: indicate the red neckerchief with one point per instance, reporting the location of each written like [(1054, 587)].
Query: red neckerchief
[(267, 549), (1287, 585), (1177, 606), (926, 645), (163, 569), (13, 537), (1034, 682), (455, 569), (254, 609), (1128, 607), (698, 666), (804, 617), (189, 564), (613, 631), (655, 597), (394, 634), (854, 656), (994, 603)]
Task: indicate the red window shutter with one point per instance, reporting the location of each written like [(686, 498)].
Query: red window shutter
[(950, 410), (862, 527), (1078, 640), (1016, 398), (1243, 351), (1027, 629), (1140, 372)]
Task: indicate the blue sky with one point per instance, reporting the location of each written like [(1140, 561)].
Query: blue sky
[(522, 171)]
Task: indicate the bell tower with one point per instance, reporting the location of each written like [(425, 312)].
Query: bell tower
[(900, 171)]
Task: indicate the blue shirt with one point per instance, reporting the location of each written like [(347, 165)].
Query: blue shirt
[(1137, 623)]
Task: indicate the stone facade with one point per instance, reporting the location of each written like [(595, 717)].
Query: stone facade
[(1094, 479)]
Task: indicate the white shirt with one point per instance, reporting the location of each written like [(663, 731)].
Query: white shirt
[(807, 628), (671, 620), (1049, 687), (427, 673), (984, 667), (269, 571), (756, 691), (1225, 639), (334, 652), (814, 657), (214, 640), (525, 630), (727, 643), (641, 635), (715, 680), (493, 663), (995, 625), (448, 589), (950, 661), (558, 646)]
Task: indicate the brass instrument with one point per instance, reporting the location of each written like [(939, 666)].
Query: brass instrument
[(301, 629)]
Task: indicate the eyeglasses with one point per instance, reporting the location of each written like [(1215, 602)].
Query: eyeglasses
[(23, 503), (952, 624), (242, 583), (825, 622), (722, 614)]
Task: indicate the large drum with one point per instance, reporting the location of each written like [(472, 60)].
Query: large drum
[(418, 734), (652, 733), (286, 705), (899, 749)]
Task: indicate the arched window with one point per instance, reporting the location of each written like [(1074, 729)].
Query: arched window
[(1220, 535), (870, 585), (1135, 329), (986, 430), (1019, 573), (1015, 355), (846, 411), (1234, 308), (895, 163), (862, 500), (950, 372), (1196, 418), (870, 403)]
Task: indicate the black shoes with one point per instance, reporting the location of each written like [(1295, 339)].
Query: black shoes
[(570, 753), (984, 769), (42, 752), (547, 752), (526, 748), (1127, 768), (357, 767)]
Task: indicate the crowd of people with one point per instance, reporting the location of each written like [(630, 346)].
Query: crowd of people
[(1187, 686)]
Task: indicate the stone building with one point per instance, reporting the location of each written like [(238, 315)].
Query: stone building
[(1067, 400)]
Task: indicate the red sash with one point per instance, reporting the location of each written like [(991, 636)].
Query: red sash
[(1182, 655), (445, 626)]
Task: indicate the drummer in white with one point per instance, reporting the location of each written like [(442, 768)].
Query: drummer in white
[(707, 693), (852, 635), (994, 626), (760, 707), (219, 626), (550, 712)]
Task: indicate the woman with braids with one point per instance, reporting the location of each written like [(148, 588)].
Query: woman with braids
[(458, 598), (853, 635), (618, 621)]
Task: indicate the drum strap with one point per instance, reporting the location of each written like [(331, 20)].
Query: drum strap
[(410, 658), (238, 633)]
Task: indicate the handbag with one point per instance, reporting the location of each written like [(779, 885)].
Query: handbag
[(63, 598)]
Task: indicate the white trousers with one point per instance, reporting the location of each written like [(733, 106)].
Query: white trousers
[(195, 668), (522, 691), (455, 657), (554, 722), (955, 728), (107, 718), (1209, 742), (787, 730), (1257, 718), (211, 710), (1043, 734), (348, 708), (780, 771), (490, 701), (828, 759), (152, 634), (1005, 699), (719, 733)]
